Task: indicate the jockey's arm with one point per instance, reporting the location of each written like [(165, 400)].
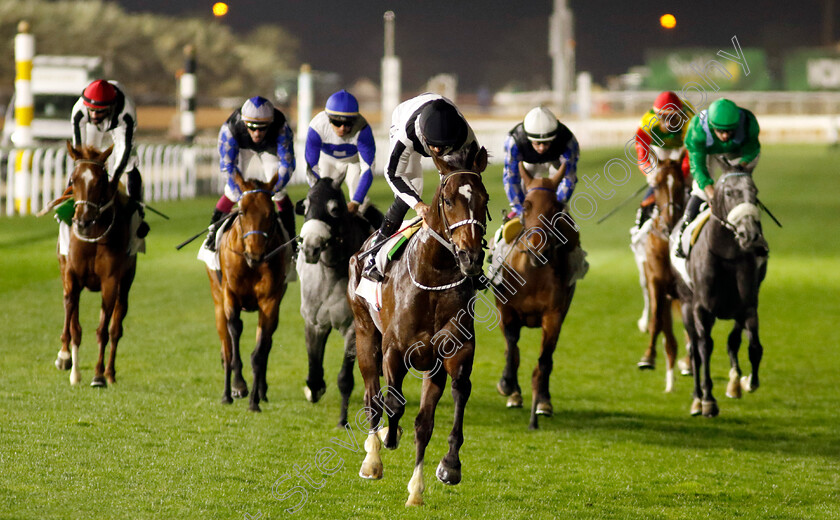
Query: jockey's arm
[(285, 157), (695, 143), (395, 173), (312, 154), (123, 136), (646, 158), (228, 157), (511, 177), (367, 153), (751, 148), (79, 119), (568, 179)]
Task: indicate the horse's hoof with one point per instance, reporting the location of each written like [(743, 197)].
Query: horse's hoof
[(74, 376), (226, 399), (99, 381), (733, 389), (696, 407), (111, 379), (710, 409), (646, 363), (685, 367), (747, 384), (63, 363), (314, 397), (254, 407), (371, 471), (414, 500), (515, 400), (642, 323), (239, 393), (449, 476), (545, 408), (383, 436), (503, 388)]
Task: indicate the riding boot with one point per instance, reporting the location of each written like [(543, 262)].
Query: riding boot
[(135, 193), (210, 242), (390, 224), (692, 208), (286, 218)]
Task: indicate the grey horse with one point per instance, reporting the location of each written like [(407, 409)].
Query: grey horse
[(726, 267), (329, 237)]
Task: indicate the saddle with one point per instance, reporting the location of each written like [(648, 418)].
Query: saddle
[(688, 239)]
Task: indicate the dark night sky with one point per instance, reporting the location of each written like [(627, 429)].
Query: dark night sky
[(496, 42)]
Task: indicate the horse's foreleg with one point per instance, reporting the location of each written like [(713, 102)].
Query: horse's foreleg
[(345, 376), (63, 360), (654, 325), (234, 362), (269, 309), (116, 331), (316, 344), (541, 396), (703, 321), (72, 333), (733, 345), (667, 320), (508, 385), (423, 426), (750, 384), (394, 369), (459, 369), (693, 354)]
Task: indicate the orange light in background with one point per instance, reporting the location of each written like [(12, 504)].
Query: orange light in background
[(668, 21), (220, 9)]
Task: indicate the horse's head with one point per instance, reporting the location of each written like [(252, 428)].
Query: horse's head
[(459, 208), (257, 217), (735, 204), (540, 206), (92, 190), (669, 191), (325, 210)]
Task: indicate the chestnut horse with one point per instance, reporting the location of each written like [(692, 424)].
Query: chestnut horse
[(726, 266), (538, 283), (249, 280), (98, 260), (669, 194), (426, 321)]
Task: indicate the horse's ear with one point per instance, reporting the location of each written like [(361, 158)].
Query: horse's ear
[(337, 182), (74, 154), (239, 179), (558, 175), (273, 182), (300, 207), (311, 179), (104, 155), (525, 175), (440, 164), (480, 163)]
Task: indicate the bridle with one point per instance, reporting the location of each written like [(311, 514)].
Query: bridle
[(100, 208), (737, 212), (662, 230), (526, 230), (446, 240)]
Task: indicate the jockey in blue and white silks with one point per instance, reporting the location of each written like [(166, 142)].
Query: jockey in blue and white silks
[(541, 145), (340, 143), (255, 130)]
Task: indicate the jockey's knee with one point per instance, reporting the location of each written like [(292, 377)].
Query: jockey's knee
[(135, 185)]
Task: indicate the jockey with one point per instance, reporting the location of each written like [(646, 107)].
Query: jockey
[(426, 124), (104, 109), (340, 144), (661, 130), (540, 145), (257, 129), (724, 136)]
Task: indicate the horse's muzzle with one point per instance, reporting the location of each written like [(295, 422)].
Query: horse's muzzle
[(749, 235), (253, 260), (470, 261)]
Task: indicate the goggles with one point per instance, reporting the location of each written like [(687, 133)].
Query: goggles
[(342, 122), (256, 126)]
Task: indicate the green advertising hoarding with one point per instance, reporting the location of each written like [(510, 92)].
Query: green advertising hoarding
[(672, 69), (812, 69)]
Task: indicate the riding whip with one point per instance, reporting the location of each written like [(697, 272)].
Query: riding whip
[(762, 206), (215, 225), (622, 203)]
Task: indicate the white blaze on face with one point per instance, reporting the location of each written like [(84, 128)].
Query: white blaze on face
[(466, 191), (314, 233)]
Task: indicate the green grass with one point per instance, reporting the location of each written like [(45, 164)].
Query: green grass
[(159, 445)]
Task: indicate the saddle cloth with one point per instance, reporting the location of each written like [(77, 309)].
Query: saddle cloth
[(211, 258), (688, 238), (135, 244)]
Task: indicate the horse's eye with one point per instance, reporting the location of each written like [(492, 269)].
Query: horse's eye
[(448, 202)]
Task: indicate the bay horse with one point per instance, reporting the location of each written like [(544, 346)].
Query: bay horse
[(98, 260), (669, 195), (329, 237), (538, 283), (726, 267), (250, 280), (426, 319)]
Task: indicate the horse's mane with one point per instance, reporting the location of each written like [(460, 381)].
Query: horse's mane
[(464, 158)]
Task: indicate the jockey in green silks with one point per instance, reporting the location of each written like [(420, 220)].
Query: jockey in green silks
[(724, 136)]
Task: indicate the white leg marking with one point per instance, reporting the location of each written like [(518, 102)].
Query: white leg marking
[(372, 465), (669, 380), (74, 371), (416, 487)]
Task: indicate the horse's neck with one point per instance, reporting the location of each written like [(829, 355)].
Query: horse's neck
[(430, 251), (721, 241)]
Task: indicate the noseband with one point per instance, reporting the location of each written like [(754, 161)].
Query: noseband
[(100, 208), (256, 231)]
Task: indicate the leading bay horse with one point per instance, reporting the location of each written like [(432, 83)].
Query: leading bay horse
[(330, 235), (726, 267), (250, 280), (426, 317), (98, 260), (538, 282), (669, 196)]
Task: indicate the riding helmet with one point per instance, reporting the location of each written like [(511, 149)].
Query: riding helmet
[(540, 124), (667, 100), (258, 110), (342, 106), (724, 114), (99, 94), (442, 125)]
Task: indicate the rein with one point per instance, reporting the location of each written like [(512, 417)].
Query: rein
[(99, 208)]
